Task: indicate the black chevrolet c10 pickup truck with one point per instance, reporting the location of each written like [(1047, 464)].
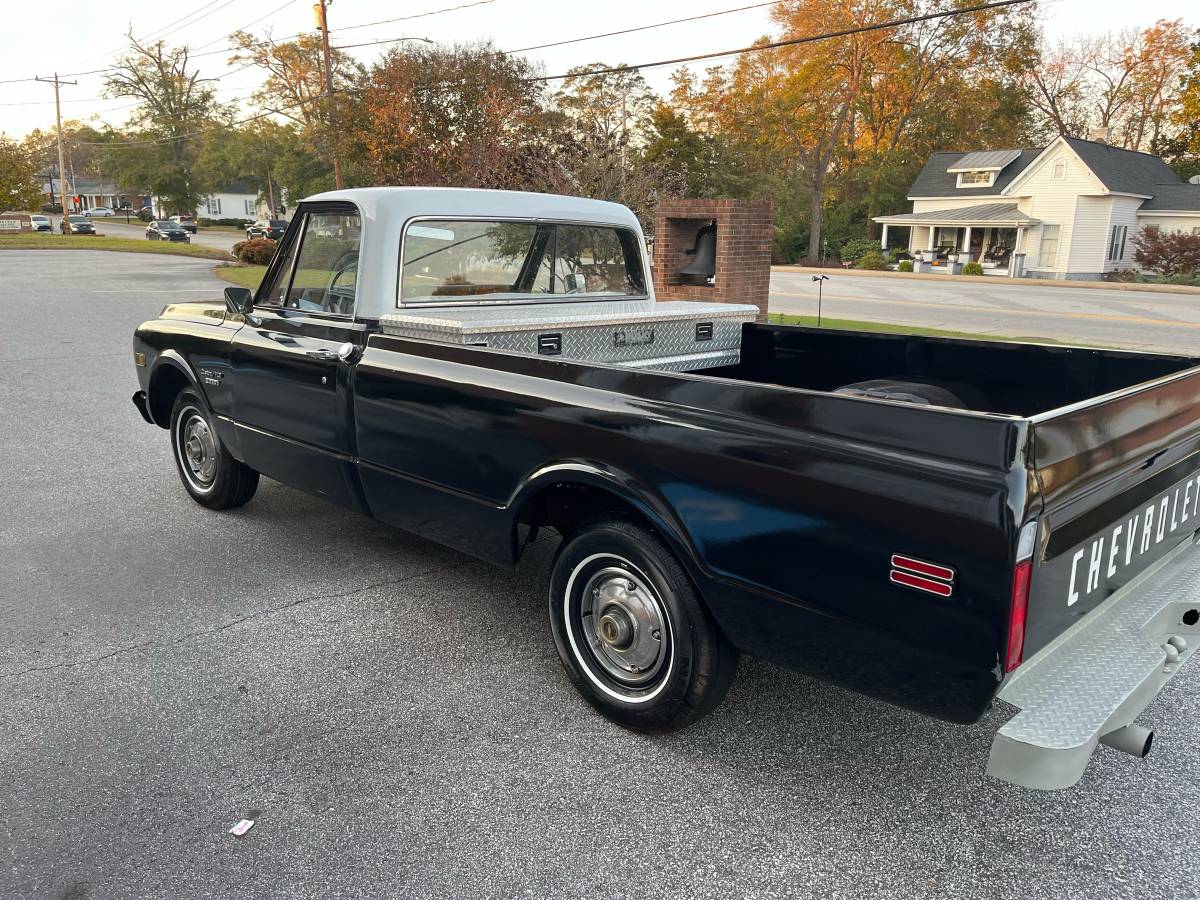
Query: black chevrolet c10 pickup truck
[(938, 523)]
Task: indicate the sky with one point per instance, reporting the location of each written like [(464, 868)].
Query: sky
[(82, 35)]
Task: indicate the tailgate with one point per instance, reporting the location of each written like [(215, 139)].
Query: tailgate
[(1120, 482)]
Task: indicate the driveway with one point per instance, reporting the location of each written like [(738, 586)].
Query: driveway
[(394, 718), (1098, 316)]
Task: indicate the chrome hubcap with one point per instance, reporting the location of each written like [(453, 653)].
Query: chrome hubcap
[(198, 449), (624, 625)]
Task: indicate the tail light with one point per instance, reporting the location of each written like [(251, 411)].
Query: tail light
[(1018, 610)]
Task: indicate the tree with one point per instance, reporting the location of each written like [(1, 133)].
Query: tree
[(1168, 253), (175, 108), (1182, 143), (294, 86), (19, 188), (464, 115)]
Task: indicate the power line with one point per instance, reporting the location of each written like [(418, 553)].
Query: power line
[(790, 42), (243, 28), (593, 37), (433, 12)]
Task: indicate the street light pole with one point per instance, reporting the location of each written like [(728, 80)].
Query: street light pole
[(820, 280), (320, 8), (62, 164)]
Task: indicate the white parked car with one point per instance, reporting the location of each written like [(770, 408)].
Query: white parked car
[(41, 223), (101, 211)]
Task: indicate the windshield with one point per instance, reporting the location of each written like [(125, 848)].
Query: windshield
[(79, 220), (168, 226)]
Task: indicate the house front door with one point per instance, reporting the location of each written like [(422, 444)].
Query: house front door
[(976, 247)]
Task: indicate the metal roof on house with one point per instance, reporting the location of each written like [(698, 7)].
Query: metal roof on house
[(989, 214), (984, 161), (1181, 197), (936, 179), (1124, 171)]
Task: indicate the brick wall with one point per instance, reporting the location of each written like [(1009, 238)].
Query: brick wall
[(744, 234)]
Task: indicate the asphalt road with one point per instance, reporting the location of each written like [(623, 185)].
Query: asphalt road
[(117, 227), (393, 716), (1094, 316)]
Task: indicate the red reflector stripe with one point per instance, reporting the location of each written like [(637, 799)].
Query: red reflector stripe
[(923, 568), (1017, 615), (922, 584)]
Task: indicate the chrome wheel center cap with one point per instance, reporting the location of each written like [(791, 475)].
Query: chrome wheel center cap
[(616, 628)]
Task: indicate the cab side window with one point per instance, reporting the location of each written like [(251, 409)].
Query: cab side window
[(278, 290)]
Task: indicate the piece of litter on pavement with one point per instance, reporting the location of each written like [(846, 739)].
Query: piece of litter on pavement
[(241, 827)]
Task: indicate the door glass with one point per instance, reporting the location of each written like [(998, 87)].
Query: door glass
[(326, 271)]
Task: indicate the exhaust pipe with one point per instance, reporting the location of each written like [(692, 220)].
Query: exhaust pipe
[(1132, 739)]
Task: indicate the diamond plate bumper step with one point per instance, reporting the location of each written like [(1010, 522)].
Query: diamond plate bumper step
[(1098, 676)]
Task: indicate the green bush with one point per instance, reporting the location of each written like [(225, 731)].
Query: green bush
[(256, 252), (872, 259), (972, 268), (856, 248), (238, 223), (904, 266)]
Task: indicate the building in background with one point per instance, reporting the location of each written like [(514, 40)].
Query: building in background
[(1066, 211)]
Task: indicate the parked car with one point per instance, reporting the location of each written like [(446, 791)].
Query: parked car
[(166, 230), (41, 223), (267, 228), (935, 522), (146, 213), (79, 225), (98, 212), (187, 223)]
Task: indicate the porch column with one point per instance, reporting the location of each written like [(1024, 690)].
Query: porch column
[(967, 243), (883, 238), (932, 232)]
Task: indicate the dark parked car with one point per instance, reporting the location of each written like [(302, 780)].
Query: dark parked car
[(79, 225), (166, 230), (187, 223), (267, 228), (935, 522)]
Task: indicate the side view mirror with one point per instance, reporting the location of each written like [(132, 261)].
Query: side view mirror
[(239, 300)]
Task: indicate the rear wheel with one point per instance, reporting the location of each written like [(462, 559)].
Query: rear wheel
[(208, 472), (632, 631)]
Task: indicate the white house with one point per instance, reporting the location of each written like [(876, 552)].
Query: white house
[(1068, 210), (234, 201)]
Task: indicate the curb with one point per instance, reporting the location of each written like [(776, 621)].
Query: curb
[(996, 279)]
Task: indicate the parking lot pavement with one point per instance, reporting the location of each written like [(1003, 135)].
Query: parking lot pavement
[(1136, 320), (393, 716)]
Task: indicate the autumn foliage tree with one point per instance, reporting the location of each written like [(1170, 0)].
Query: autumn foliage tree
[(1168, 253)]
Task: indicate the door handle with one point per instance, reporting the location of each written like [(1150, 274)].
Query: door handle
[(323, 355)]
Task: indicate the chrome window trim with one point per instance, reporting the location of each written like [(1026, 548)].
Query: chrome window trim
[(524, 299)]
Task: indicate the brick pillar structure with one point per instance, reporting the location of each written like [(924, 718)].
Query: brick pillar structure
[(744, 233)]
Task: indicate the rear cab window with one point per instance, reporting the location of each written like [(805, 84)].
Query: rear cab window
[(447, 261)]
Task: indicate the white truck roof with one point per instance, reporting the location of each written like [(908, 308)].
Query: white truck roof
[(385, 210)]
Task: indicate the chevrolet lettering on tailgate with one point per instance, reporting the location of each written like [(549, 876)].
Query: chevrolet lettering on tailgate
[(1128, 542)]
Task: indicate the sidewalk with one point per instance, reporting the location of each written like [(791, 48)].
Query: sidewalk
[(995, 279)]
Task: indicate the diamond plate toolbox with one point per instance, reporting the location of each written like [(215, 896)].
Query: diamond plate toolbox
[(674, 336)]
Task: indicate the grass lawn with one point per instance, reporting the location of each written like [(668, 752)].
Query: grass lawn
[(43, 241), (246, 276), (889, 328)]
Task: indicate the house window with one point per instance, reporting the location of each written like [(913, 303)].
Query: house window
[(1116, 243), (1049, 252), (975, 179), (214, 206), (249, 204), (1059, 171)]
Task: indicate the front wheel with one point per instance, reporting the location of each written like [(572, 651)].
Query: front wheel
[(632, 631), (208, 472)]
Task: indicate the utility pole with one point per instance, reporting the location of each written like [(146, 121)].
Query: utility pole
[(62, 165), (321, 9)]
